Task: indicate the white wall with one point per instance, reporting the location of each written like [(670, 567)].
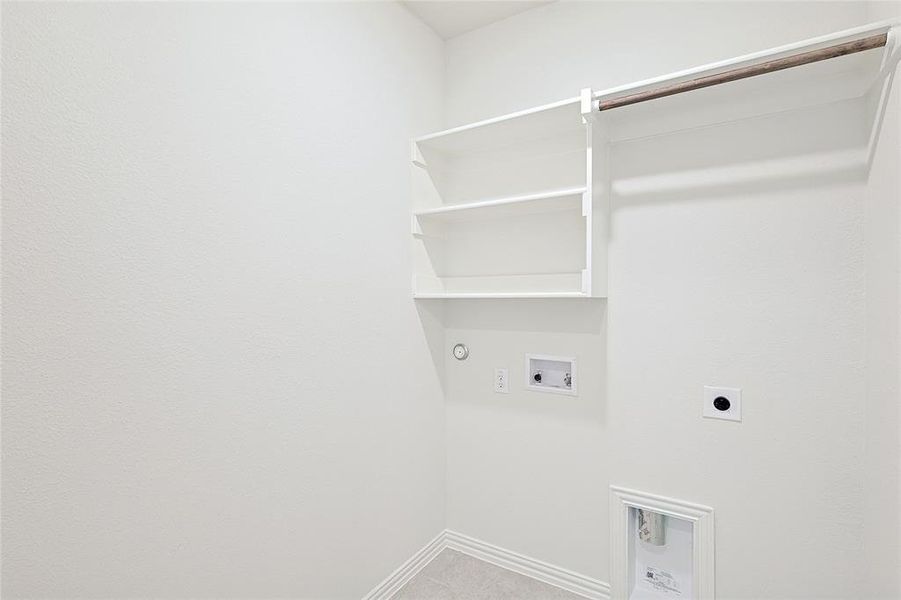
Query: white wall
[(215, 383), (764, 286), (882, 209)]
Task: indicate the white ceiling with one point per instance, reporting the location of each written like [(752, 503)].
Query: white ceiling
[(451, 18)]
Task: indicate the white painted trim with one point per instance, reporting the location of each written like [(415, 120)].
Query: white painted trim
[(512, 561), (701, 517), (406, 572), (530, 567)]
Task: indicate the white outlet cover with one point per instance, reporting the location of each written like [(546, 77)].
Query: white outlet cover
[(711, 393), (501, 381)]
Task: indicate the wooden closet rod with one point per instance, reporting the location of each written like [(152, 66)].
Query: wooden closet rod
[(876, 41)]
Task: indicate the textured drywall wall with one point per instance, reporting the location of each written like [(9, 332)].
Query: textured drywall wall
[(761, 286), (215, 383), (882, 451)]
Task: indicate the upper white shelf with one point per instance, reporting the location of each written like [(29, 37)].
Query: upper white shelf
[(817, 83), (764, 56), (536, 123)]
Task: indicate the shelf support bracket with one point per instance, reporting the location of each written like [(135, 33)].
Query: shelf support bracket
[(416, 156), (588, 105), (586, 282)]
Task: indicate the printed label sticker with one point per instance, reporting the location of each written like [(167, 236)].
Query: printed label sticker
[(662, 581)]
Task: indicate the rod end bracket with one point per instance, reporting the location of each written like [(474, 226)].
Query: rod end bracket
[(588, 105)]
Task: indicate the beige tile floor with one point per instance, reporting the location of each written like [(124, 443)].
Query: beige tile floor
[(453, 575)]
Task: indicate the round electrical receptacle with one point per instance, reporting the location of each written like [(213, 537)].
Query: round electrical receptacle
[(721, 403)]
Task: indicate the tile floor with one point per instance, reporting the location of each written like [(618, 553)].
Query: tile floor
[(453, 575)]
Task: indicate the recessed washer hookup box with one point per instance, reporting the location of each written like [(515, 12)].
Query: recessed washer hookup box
[(555, 374)]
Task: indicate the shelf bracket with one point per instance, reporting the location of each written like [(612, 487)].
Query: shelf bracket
[(588, 105), (416, 156), (892, 53)]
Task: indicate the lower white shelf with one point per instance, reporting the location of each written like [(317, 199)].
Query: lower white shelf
[(554, 200), (427, 295), (544, 285)]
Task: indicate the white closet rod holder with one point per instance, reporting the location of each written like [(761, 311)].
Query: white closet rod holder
[(771, 66)]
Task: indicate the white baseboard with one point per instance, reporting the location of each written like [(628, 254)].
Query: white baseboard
[(507, 559), (406, 571), (530, 567)]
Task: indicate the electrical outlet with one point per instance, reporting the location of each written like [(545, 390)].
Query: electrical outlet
[(722, 403), (500, 381)]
